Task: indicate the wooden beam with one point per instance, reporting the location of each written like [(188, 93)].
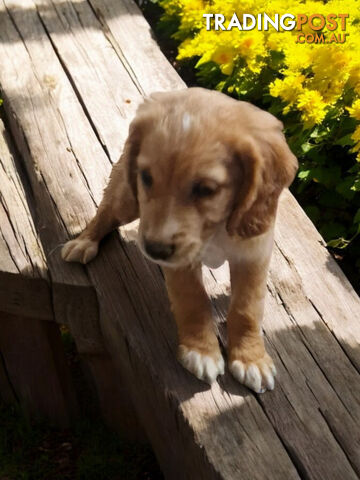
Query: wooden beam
[(33, 367), (24, 289), (59, 141)]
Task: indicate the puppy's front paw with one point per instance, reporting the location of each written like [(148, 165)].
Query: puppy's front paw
[(204, 367), (258, 375), (80, 250)]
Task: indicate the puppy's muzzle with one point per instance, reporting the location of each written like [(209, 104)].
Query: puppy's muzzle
[(159, 251)]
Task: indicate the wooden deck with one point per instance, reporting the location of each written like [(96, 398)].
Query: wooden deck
[(71, 75)]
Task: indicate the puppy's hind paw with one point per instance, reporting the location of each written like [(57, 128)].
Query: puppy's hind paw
[(80, 250), (204, 367)]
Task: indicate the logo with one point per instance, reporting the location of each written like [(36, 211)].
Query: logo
[(287, 22)]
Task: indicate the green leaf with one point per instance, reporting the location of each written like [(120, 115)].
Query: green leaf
[(305, 147), (304, 174), (338, 243)]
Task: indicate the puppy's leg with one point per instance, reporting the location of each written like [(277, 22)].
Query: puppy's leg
[(248, 361), (199, 350), (118, 206)]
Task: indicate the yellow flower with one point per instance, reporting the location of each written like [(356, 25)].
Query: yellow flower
[(354, 110), (356, 135), (287, 89), (312, 106), (315, 77), (224, 56)]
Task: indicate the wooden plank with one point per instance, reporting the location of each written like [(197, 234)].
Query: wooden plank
[(24, 296), (33, 356), (322, 422), (30, 349), (62, 133), (33, 95), (321, 279), (24, 289), (215, 415), (134, 42), (75, 31)]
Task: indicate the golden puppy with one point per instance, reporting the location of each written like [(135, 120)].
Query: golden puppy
[(204, 173)]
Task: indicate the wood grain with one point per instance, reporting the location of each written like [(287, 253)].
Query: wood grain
[(63, 140), (33, 366), (24, 289)]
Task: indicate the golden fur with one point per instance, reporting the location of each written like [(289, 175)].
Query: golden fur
[(202, 170)]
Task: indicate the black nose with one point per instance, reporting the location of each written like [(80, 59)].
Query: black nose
[(159, 251)]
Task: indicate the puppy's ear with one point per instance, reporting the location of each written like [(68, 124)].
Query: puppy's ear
[(122, 187), (265, 165), (131, 152), (147, 114)]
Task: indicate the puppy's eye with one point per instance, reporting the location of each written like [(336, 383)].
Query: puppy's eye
[(146, 178), (203, 190)]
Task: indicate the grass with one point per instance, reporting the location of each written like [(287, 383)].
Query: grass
[(88, 451)]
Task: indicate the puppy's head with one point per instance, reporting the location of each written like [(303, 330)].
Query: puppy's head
[(201, 159)]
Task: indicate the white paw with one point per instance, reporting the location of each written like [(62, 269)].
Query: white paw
[(204, 367), (79, 250), (259, 376)]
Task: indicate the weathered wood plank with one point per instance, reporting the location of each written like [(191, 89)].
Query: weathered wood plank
[(322, 280), (75, 31), (24, 289), (42, 96), (33, 96), (131, 36), (30, 348)]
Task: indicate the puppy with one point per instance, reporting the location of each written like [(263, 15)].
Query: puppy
[(204, 173)]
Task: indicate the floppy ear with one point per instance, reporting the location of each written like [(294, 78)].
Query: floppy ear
[(123, 178), (266, 166), (130, 153), (121, 192)]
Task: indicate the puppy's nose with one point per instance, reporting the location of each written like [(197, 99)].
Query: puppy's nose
[(159, 251)]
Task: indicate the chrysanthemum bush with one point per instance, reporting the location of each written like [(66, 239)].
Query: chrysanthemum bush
[(313, 88)]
